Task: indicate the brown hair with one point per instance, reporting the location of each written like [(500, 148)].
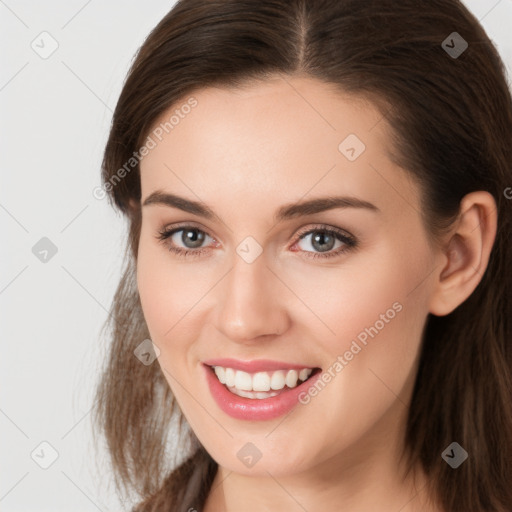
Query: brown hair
[(451, 119)]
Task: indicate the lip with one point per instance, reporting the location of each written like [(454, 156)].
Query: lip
[(249, 409), (257, 365)]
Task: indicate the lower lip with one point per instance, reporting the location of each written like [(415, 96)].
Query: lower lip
[(255, 409)]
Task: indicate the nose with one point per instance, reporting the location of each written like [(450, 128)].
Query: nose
[(251, 302)]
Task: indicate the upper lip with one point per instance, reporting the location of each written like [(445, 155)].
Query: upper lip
[(256, 365)]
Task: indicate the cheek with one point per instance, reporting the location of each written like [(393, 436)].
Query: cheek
[(165, 296), (368, 297), (156, 291), (378, 318), (166, 289)]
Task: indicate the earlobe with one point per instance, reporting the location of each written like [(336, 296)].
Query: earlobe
[(467, 253)]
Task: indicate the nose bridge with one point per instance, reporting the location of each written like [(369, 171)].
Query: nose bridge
[(249, 304)]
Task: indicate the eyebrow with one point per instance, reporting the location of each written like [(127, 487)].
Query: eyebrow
[(285, 212)]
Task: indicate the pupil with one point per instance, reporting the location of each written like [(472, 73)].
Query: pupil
[(320, 239)]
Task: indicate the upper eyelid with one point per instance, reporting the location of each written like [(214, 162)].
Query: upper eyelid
[(324, 227), (177, 227)]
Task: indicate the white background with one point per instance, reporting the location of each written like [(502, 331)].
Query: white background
[(55, 115)]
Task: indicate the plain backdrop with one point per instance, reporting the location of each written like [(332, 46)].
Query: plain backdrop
[(62, 248)]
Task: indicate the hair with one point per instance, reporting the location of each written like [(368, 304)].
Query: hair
[(451, 126)]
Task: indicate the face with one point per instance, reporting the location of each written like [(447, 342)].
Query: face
[(272, 284)]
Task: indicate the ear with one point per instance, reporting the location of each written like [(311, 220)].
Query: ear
[(133, 205), (466, 253)]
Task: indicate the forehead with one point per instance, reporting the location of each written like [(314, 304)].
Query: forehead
[(282, 137)]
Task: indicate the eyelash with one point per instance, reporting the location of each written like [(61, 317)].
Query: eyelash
[(349, 241)]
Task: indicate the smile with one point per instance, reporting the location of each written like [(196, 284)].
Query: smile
[(260, 385), (257, 390)]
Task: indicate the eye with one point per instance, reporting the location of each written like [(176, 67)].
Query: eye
[(323, 239), (191, 237)]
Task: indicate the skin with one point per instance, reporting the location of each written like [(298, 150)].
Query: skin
[(245, 153)]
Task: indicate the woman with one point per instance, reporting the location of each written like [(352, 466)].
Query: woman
[(318, 281)]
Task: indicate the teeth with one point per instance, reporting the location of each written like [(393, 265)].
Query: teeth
[(277, 380), (253, 394), (291, 378), (261, 382), (304, 374), (230, 377), (245, 383), (221, 374)]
